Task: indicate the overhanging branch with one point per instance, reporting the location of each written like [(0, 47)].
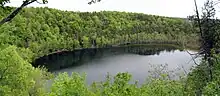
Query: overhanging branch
[(16, 11), (93, 1), (25, 3)]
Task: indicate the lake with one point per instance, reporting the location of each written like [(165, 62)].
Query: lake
[(137, 60)]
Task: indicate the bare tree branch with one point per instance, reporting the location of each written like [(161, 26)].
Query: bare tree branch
[(199, 22), (25, 3), (191, 53), (193, 59), (93, 1), (185, 72), (40, 2), (16, 11)]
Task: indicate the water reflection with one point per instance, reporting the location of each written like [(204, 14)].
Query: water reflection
[(136, 60), (64, 60)]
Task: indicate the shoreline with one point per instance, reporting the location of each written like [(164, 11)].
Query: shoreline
[(177, 46)]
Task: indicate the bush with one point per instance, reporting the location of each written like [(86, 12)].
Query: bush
[(18, 77)]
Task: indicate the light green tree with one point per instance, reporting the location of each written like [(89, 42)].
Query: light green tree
[(18, 77)]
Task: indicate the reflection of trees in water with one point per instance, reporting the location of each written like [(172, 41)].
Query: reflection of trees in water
[(72, 59), (142, 50)]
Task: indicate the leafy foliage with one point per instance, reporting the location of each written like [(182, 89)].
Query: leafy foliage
[(3, 2), (45, 30), (203, 78), (40, 31), (75, 86), (18, 77)]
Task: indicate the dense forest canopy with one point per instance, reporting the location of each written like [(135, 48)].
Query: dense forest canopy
[(45, 30), (35, 32), (17, 10), (24, 4)]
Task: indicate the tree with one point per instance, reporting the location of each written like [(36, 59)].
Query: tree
[(45, 30), (17, 10), (18, 77), (209, 31), (25, 3), (3, 2), (209, 37)]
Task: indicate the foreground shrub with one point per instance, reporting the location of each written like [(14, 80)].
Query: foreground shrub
[(18, 77), (117, 86)]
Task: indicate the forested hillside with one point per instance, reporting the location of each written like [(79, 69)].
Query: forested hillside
[(35, 32), (45, 30)]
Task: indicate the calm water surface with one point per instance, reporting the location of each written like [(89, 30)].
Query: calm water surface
[(137, 60)]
